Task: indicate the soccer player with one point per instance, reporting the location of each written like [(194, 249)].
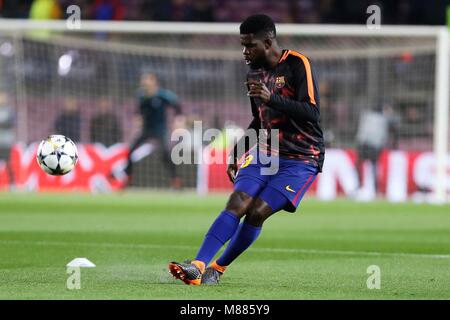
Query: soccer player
[(153, 104), (286, 97), (8, 118)]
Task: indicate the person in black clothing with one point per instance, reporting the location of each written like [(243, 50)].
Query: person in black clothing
[(68, 123), (7, 134), (284, 98), (105, 127), (153, 104)]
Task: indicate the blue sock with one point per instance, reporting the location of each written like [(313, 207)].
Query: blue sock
[(242, 239), (218, 234)]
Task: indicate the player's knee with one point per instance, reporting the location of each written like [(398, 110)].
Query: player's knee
[(258, 212), (238, 203)]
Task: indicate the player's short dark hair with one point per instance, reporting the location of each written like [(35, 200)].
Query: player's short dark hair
[(259, 24)]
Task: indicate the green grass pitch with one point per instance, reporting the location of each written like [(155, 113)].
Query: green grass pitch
[(321, 252)]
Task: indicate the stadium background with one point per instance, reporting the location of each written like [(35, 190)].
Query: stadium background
[(47, 73)]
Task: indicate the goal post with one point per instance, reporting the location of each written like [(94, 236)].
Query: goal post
[(441, 115), (408, 66)]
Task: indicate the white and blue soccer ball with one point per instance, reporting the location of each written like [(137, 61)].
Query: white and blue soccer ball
[(57, 155)]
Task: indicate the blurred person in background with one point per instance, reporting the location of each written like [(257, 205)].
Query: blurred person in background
[(153, 102), (7, 133), (180, 10), (230, 132), (202, 11), (377, 130), (108, 10), (68, 122), (328, 107), (156, 10), (45, 10), (304, 11), (19, 9), (105, 127)]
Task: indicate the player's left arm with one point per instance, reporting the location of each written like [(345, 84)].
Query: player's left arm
[(172, 101), (303, 106)]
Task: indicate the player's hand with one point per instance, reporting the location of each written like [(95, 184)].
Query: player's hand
[(231, 171), (258, 90), (179, 122)]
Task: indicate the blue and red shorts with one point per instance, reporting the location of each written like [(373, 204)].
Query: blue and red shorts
[(282, 190)]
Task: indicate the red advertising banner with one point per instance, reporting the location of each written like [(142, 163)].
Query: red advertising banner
[(90, 174), (400, 175)]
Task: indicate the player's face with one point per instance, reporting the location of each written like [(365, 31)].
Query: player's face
[(254, 51), (149, 82)]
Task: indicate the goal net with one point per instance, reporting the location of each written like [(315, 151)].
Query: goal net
[(385, 131)]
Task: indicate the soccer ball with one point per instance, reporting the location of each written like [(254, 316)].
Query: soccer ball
[(57, 155)]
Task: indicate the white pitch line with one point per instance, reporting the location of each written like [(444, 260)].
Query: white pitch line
[(184, 247)]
